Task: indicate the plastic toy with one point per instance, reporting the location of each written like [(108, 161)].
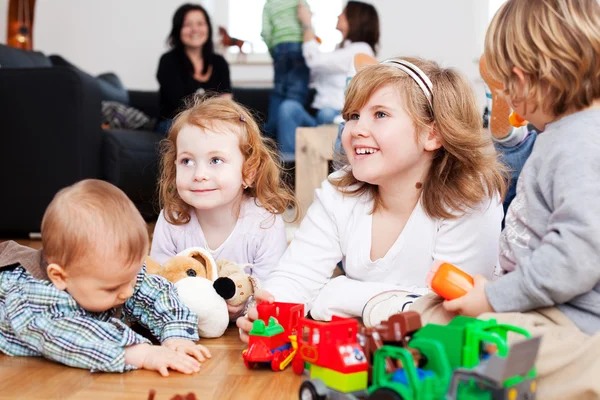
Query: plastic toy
[(397, 331), (337, 365), (272, 340), (467, 359), (448, 281), (502, 118), (516, 120)]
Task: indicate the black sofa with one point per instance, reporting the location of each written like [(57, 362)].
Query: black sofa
[(50, 117)]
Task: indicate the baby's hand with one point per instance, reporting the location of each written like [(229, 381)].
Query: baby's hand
[(472, 304), (160, 358), (188, 347), (245, 323)]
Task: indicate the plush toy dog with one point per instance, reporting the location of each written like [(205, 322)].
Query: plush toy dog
[(206, 286)]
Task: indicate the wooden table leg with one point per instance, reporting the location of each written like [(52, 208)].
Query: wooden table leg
[(314, 150)]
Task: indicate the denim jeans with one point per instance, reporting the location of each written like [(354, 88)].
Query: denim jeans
[(515, 157), (292, 115), (290, 80)]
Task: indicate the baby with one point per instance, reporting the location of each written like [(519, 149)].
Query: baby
[(64, 302)]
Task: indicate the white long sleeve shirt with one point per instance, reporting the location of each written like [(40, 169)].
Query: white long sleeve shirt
[(329, 70), (258, 238), (338, 227)]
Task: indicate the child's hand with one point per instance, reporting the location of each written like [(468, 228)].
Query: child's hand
[(235, 311), (245, 323), (160, 358), (188, 347), (472, 304)]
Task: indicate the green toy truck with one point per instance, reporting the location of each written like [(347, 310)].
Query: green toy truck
[(467, 359)]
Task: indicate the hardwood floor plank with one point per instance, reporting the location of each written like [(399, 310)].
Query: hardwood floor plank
[(222, 377)]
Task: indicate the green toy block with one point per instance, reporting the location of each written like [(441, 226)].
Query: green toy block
[(259, 328)]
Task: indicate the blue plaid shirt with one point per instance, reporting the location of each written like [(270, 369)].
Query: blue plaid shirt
[(37, 319)]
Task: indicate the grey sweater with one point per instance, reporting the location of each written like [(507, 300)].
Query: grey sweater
[(550, 247)]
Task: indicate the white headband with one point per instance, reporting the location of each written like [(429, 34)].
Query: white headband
[(418, 76)]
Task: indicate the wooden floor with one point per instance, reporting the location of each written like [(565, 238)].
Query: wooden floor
[(223, 377)]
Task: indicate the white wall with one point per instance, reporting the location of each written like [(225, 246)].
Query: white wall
[(128, 36), (450, 32), (3, 20)]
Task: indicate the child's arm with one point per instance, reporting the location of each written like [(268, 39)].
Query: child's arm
[(565, 263), (270, 250), (163, 245), (471, 242), (311, 257), (64, 333), (156, 306), (334, 62)]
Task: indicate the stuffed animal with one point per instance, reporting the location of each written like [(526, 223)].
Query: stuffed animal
[(199, 285), (233, 283)]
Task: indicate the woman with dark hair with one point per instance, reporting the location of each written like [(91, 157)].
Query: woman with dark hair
[(192, 65), (359, 25)]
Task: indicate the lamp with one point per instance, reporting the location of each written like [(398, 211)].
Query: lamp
[(20, 24)]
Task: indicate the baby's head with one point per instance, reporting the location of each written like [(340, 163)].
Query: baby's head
[(409, 119), (94, 241), (547, 56), (215, 155)]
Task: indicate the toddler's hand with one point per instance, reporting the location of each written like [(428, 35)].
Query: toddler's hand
[(472, 304), (160, 358), (235, 311), (188, 347), (245, 323)]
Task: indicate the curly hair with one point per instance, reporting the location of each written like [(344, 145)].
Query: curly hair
[(466, 169), (262, 164)]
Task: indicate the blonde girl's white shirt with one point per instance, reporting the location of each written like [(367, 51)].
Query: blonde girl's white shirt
[(258, 238), (328, 70), (338, 227)]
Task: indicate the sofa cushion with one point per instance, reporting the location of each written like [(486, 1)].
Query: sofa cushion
[(131, 163), (111, 88), (11, 57)]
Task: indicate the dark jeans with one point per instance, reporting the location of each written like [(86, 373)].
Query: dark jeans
[(515, 157), (290, 81)]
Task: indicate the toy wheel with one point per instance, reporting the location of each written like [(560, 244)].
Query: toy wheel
[(298, 365), (384, 394), (276, 361), (309, 392), (249, 364)]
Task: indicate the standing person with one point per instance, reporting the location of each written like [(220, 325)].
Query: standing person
[(283, 34), (421, 176), (359, 25), (192, 65)]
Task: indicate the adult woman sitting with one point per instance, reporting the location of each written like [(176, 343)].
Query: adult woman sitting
[(359, 25), (192, 65)]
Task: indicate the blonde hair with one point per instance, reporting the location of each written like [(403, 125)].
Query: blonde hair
[(556, 43), (93, 219), (466, 169), (262, 165)]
